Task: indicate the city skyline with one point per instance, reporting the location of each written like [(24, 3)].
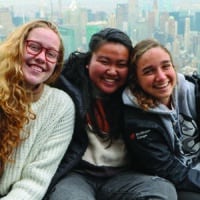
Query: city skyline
[(24, 7), (175, 23)]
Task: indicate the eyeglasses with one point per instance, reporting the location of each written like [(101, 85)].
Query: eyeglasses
[(35, 48)]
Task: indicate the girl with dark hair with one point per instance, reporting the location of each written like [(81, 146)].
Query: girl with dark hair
[(96, 165)]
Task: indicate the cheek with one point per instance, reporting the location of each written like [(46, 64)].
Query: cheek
[(91, 73), (174, 75), (27, 58), (26, 55), (52, 68), (145, 83), (94, 70), (124, 74)]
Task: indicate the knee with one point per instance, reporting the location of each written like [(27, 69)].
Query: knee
[(162, 189)]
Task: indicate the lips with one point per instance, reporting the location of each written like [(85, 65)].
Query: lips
[(161, 86), (109, 80), (36, 68)]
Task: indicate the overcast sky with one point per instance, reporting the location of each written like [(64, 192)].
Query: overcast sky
[(28, 7), (94, 4)]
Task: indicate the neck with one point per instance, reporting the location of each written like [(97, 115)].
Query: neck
[(169, 103), (37, 92), (98, 93)]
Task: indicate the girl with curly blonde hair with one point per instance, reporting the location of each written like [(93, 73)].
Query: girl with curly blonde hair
[(36, 120)]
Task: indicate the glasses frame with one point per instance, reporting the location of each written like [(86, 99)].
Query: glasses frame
[(42, 48)]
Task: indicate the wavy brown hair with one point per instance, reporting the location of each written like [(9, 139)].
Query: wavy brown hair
[(15, 99), (144, 100)]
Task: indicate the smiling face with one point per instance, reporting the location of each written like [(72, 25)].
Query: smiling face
[(156, 74), (36, 68), (108, 67)]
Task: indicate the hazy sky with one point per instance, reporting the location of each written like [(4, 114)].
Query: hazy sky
[(107, 5), (28, 7)]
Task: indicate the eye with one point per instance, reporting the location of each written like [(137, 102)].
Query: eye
[(167, 66), (34, 47), (148, 71), (122, 65), (52, 54), (104, 62)]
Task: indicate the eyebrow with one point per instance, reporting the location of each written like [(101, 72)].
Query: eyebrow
[(166, 61), (162, 62), (107, 58)]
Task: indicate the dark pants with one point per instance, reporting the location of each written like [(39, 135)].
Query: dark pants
[(182, 195), (125, 186)]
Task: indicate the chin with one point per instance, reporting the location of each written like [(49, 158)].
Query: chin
[(108, 92)]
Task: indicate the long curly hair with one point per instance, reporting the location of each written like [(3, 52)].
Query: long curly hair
[(15, 99), (144, 100)]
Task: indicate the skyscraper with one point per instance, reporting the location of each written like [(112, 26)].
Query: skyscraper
[(133, 16), (121, 16)]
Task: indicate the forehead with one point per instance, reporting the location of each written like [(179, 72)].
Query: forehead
[(156, 54), (111, 48), (155, 51), (45, 36)]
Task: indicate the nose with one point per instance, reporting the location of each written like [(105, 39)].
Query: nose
[(160, 75), (42, 55), (112, 70)]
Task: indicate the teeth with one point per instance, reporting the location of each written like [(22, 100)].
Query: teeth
[(162, 86), (110, 80), (37, 68)]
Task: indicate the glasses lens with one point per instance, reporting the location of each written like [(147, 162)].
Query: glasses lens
[(33, 48), (51, 55)]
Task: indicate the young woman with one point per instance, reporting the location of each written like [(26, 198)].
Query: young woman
[(160, 113), (96, 165), (36, 120)]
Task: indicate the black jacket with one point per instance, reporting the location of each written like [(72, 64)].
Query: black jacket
[(152, 152), (79, 141)]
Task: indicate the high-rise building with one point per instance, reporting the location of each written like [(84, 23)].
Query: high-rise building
[(196, 21), (187, 42), (68, 37), (163, 17), (172, 27), (180, 17), (75, 18), (121, 16), (133, 17), (6, 24)]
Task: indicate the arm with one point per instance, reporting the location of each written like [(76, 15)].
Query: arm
[(150, 149), (44, 157)]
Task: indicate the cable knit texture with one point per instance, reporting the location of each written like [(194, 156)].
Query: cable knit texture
[(37, 158)]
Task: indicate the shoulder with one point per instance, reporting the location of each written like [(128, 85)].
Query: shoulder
[(58, 95), (54, 99), (137, 118), (185, 83)]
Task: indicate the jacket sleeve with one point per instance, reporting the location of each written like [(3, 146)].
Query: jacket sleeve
[(152, 153)]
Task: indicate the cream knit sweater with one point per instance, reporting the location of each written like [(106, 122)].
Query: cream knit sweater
[(38, 156)]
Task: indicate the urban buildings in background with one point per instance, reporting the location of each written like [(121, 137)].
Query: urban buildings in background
[(175, 23)]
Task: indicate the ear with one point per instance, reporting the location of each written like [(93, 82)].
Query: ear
[(87, 66)]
